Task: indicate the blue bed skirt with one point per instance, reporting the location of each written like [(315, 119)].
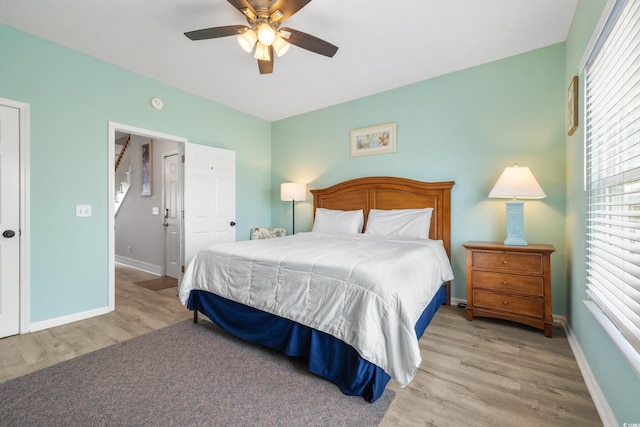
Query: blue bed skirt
[(327, 356)]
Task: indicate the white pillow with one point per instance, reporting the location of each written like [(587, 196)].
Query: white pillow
[(335, 221), (405, 223)]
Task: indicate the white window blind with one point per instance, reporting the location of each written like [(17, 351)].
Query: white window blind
[(612, 171)]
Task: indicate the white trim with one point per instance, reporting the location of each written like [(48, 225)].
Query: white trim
[(59, 321), (456, 301), (113, 128), (596, 34), (140, 265), (25, 209), (600, 401)]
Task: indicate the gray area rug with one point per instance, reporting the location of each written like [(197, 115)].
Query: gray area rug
[(184, 374)]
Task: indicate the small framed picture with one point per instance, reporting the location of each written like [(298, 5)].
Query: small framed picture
[(373, 140), (572, 106)]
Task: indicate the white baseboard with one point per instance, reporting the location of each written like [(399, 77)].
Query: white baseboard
[(140, 265), (456, 301), (602, 405), (58, 321)]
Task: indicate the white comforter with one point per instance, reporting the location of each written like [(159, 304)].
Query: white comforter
[(367, 291)]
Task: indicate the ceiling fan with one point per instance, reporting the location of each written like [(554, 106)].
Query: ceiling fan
[(264, 31)]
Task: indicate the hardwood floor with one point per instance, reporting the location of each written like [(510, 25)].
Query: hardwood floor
[(490, 372), (481, 373)]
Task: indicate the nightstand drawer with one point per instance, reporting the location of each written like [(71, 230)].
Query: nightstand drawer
[(509, 303), (531, 285), (508, 261)]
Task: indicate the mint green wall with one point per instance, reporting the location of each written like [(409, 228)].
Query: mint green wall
[(72, 98), (618, 382), (466, 127)]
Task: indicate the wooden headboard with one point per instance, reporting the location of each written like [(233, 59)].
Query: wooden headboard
[(384, 192)]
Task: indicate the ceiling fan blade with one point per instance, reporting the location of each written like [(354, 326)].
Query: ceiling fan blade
[(215, 32), (288, 7), (309, 42), (241, 4), (266, 67)]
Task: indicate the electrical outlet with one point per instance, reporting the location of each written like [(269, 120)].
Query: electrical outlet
[(83, 211)]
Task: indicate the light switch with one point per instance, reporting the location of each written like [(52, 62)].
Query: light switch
[(155, 210), (83, 211)]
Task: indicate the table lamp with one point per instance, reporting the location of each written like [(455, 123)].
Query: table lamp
[(516, 182)]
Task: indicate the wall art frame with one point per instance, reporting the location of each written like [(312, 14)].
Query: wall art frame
[(147, 169), (572, 106), (378, 139)]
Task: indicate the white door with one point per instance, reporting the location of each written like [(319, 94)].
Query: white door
[(172, 215), (9, 221), (209, 199)]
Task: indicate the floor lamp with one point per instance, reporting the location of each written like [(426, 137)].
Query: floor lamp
[(293, 192), (516, 182)]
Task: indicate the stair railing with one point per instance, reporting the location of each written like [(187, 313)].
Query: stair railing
[(122, 174), (124, 149)]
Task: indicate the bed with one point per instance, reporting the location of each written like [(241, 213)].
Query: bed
[(354, 305)]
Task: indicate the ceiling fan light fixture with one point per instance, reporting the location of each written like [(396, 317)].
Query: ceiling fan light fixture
[(247, 40), (262, 52), (280, 45), (266, 34)]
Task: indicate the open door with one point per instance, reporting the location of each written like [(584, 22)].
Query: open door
[(209, 198)]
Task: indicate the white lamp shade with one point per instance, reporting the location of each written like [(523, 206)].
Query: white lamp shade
[(266, 34), (247, 40), (262, 52), (280, 45), (293, 191), (517, 182)]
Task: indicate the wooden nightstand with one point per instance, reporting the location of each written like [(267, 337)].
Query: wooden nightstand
[(510, 282)]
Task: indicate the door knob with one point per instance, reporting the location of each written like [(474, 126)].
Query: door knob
[(232, 223), (9, 234)]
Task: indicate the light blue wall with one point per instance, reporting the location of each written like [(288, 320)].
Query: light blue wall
[(72, 98), (466, 127), (618, 382)]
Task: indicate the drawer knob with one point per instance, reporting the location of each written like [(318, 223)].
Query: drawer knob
[(505, 302), (505, 283), (504, 261)]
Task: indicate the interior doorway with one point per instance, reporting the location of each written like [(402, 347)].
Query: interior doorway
[(207, 188), (144, 191)]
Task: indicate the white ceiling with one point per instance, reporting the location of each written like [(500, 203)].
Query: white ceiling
[(382, 44)]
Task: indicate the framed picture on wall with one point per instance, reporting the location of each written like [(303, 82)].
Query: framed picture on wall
[(572, 106), (373, 140), (146, 169)]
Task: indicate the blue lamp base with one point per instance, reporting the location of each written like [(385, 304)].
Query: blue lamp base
[(515, 224)]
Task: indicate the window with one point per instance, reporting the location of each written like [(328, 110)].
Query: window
[(612, 172)]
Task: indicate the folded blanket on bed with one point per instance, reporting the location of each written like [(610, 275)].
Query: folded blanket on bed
[(367, 291)]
